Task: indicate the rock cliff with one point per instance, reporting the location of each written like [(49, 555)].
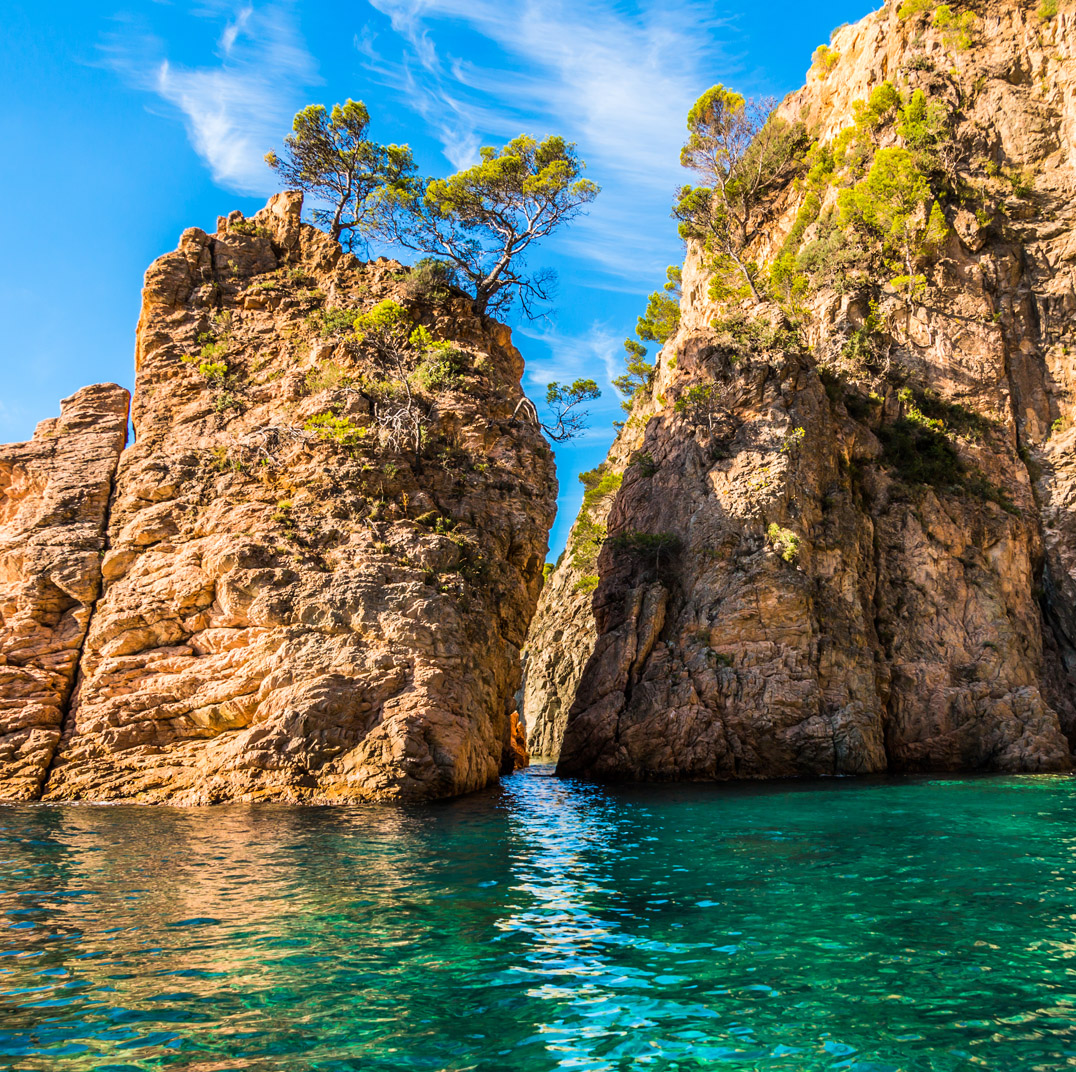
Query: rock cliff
[(54, 496), (324, 546), (846, 540)]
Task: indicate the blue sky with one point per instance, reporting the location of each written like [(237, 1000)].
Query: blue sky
[(124, 123)]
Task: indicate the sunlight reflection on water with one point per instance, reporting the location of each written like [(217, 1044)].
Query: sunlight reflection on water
[(901, 926)]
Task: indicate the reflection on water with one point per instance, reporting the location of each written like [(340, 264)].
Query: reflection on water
[(918, 925)]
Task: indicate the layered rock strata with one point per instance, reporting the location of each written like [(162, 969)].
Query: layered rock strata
[(847, 546), (54, 496), (321, 564)]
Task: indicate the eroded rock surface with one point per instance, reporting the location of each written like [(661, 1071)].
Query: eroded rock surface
[(54, 496), (298, 605), (853, 548)]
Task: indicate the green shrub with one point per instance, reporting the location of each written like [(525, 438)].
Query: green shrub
[(214, 372), (825, 58), (784, 541), (881, 106), (599, 483), (741, 331), (248, 227), (589, 537), (1047, 9), (655, 545), (340, 430), (442, 366), (792, 442), (324, 377), (699, 403), (956, 29), (920, 454), (586, 584), (332, 323), (431, 281), (225, 401), (644, 462), (914, 7)]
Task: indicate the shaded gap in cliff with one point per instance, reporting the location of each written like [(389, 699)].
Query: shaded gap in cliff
[(1058, 675)]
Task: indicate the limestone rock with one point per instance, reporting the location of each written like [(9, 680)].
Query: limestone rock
[(54, 496), (297, 605)]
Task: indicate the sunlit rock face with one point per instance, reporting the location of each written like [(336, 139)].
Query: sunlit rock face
[(54, 495), (297, 606), (793, 585)]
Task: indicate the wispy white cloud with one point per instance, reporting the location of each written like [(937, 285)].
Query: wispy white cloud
[(235, 108), (596, 353), (234, 29), (617, 82)]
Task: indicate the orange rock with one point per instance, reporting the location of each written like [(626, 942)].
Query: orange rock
[(54, 495)]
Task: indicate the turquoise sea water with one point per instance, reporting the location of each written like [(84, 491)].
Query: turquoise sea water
[(925, 924)]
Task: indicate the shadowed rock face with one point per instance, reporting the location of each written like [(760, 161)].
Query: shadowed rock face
[(813, 604), (292, 612), (54, 495)]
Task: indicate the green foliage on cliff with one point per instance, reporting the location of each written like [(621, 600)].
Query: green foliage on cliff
[(332, 323), (599, 483), (914, 7), (431, 281), (638, 374), (741, 153), (587, 540), (825, 58), (483, 220), (784, 541), (214, 372), (658, 324), (894, 207), (329, 156), (656, 546), (958, 30), (887, 214), (331, 428), (662, 316)]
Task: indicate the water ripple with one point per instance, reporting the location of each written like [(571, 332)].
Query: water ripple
[(905, 926)]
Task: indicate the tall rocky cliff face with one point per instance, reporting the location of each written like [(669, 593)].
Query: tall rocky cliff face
[(848, 544), (300, 601), (54, 496)]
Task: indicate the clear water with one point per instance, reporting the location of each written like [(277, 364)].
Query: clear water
[(925, 924)]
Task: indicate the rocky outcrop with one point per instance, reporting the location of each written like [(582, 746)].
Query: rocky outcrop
[(851, 545), (54, 496), (320, 570)]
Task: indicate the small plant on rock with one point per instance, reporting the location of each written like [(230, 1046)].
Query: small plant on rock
[(784, 541), (340, 430)]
